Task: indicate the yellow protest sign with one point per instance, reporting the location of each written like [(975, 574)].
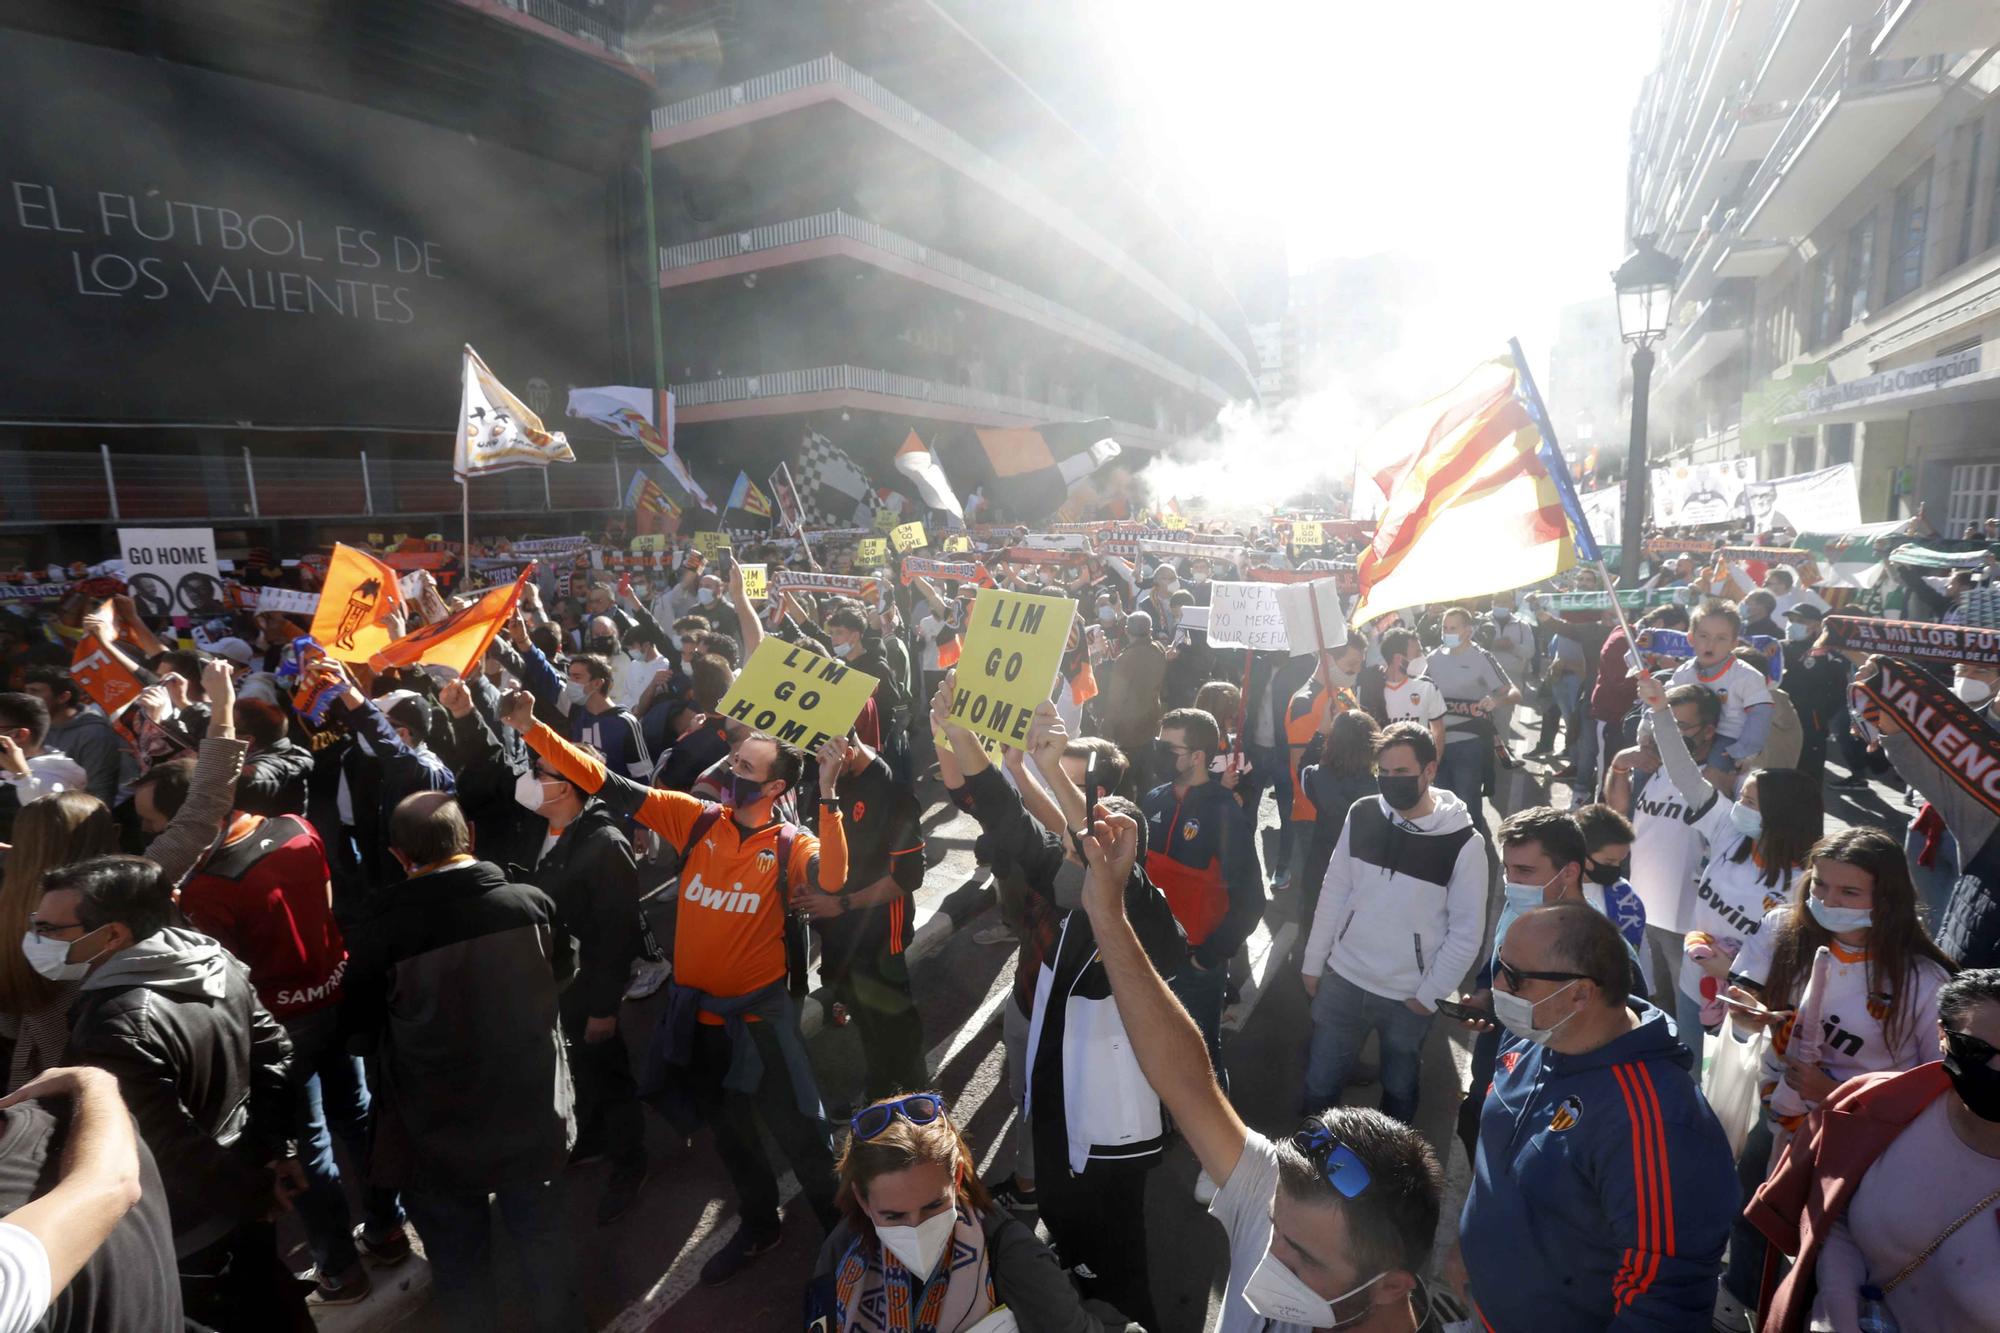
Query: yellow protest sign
[(797, 696), (909, 537), (885, 521), (756, 581), (957, 541), (1308, 534), (651, 541), (1013, 649), (871, 552), (1175, 523), (711, 544)]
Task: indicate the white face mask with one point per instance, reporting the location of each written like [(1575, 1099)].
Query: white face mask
[(1415, 667), (843, 650), (1517, 1015), (1450, 640), (705, 596), (1975, 693), (51, 957), (1276, 1292), (1748, 822), (572, 692), (919, 1248), (530, 792), (1797, 631)]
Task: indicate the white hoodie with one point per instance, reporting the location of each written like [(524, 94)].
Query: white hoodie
[(1403, 910)]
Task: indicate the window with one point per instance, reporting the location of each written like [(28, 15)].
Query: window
[(1860, 267), (1975, 495), (1906, 238), (1823, 280), (1839, 439), (1972, 137)]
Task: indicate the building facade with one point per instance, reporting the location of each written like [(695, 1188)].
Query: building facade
[(1828, 173), (870, 222)]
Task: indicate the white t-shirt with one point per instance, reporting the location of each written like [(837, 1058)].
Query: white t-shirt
[(25, 1280), (1243, 1206), (928, 630), (1667, 851), (1415, 700), (1740, 685), (1731, 899), (1852, 1040)]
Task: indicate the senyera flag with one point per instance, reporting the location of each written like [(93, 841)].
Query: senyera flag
[(359, 595), (1482, 475), (746, 499), (497, 432), (460, 639), (653, 510)]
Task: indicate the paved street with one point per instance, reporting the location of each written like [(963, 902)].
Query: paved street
[(640, 1274)]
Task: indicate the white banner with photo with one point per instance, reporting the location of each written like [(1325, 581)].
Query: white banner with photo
[(1691, 494), (1822, 501), (1606, 511)]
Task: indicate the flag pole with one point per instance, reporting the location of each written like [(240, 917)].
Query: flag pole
[(1572, 509), (465, 513)]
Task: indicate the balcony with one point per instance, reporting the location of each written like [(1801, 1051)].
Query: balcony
[(828, 79), (856, 388), (1912, 28), (1796, 48), (1856, 110), (1712, 335), (805, 239)]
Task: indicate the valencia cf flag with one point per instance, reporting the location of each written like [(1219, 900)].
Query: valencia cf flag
[(460, 639), (1026, 474), (355, 602)]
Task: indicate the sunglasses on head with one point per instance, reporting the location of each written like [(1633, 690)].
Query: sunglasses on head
[(1515, 976), (1970, 1050), (919, 1108), (1336, 1163)]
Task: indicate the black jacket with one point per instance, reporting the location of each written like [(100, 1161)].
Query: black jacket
[(273, 781), (594, 880), (203, 1068), (453, 982)]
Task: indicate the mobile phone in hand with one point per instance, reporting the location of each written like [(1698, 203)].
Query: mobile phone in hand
[(1466, 1013)]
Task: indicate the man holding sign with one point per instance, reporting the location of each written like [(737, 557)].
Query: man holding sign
[(1013, 649), (740, 870)]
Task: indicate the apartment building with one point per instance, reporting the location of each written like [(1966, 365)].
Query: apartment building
[(1828, 173)]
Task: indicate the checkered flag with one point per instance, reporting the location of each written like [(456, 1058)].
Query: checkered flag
[(833, 490)]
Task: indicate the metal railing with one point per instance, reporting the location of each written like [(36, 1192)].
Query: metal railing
[(83, 486), (570, 19), (819, 226), (951, 146), (861, 379)]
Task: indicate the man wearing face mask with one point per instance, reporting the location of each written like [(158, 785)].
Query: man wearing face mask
[(1328, 1229), (1603, 1188), (732, 1031), (202, 1066), (1817, 684), (585, 863), (857, 644), (1398, 922), (1408, 694), (1201, 851)]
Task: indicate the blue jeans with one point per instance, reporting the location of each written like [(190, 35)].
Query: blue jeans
[(1936, 880), (1343, 1015), (1202, 994), (1462, 772), (330, 1086), (457, 1234)]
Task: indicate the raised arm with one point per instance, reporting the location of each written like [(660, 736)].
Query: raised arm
[(100, 1170), (1680, 766), (212, 787), (671, 814), (739, 598), (1164, 1039)]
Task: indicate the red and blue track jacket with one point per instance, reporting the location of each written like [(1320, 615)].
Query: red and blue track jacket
[(1603, 1190)]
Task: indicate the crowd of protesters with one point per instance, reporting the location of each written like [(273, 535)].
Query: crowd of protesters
[(285, 920)]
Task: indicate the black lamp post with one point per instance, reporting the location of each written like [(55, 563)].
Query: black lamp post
[(1645, 283)]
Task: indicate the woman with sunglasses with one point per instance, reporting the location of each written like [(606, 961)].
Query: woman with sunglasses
[(922, 1248), (1889, 1193)]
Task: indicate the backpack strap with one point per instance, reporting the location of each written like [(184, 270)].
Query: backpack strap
[(703, 822), (788, 836)]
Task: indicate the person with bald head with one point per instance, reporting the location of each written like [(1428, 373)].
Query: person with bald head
[(452, 984), (1603, 1188)]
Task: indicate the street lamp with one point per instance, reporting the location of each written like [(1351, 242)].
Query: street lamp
[(1645, 283)]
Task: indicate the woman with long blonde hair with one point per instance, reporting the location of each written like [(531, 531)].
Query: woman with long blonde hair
[(921, 1246), (34, 1011)]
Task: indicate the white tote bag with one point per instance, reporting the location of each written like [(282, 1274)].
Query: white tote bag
[(1730, 1080)]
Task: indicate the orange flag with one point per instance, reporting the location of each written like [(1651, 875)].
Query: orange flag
[(459, 640), (104, 678), (359, 594)]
